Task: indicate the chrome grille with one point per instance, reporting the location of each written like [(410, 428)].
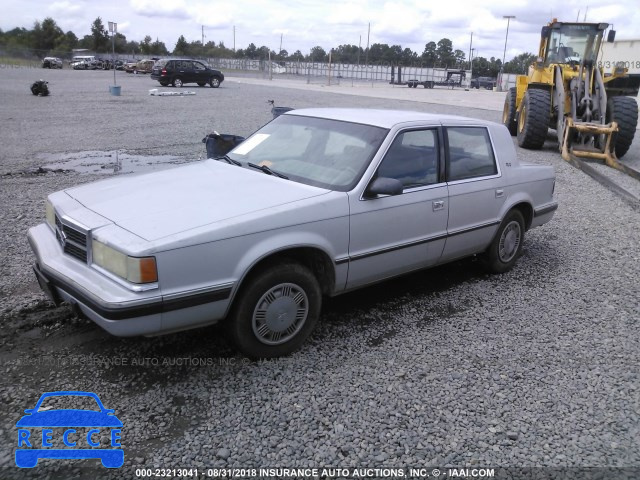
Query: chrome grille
[(75, 236), (72, 239)]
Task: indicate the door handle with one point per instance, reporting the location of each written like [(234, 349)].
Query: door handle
[(499, 193), (438, 205)]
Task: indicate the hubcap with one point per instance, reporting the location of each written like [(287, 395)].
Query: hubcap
[(280, 314), (509, 242)]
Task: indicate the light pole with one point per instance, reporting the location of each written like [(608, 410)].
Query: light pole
[(113, 28), (504, 53)]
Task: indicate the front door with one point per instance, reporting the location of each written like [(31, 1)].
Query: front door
[(390, 235)]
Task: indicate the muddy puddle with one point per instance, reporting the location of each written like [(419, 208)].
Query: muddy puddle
[(109, 162)]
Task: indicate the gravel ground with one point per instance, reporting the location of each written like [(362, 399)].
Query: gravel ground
[(448, 367)]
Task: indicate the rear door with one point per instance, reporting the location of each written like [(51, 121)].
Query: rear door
[(476, 192), (390, 235)]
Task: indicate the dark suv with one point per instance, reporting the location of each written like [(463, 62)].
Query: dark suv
[(178, 71), (483, 82)]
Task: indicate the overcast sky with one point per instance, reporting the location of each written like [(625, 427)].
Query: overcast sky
[(329, 23)]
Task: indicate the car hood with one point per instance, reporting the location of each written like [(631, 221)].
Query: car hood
[(69, 418), (159, 204)]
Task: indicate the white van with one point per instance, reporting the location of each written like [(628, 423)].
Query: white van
[(83, 62)]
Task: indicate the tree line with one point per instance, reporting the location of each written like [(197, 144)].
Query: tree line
[(48, 38)]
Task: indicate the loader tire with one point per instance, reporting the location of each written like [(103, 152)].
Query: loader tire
[(533, 119), (623, 111), (509, 112)]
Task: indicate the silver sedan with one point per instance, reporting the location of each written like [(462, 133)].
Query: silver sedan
[(316, 203)]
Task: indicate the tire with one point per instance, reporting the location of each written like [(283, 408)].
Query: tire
[(177, 82), (533, 119), (623, 111), (164, 84), (214, 82), (509, 111), (202, 84), (506, 246), (275, 311)]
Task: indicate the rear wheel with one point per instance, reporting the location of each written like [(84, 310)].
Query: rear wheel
[(177, 82), (276, 311), (623, 111), (164, 83), (509, 112), (533, 119), (507, 244)]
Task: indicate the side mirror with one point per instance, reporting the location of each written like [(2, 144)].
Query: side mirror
[(611, 36), (384, 186), (544, 33)]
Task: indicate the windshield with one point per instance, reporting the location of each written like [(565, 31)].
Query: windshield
[(316, 151), (572, 43)]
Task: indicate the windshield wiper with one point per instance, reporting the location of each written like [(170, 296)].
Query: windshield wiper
[(267, 170), (229, 160)]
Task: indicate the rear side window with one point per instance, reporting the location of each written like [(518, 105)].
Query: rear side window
[(470, 153)]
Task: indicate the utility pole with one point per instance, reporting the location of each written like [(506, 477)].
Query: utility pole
[(470, 50), (504, 53), (234, 38), (366, 56)]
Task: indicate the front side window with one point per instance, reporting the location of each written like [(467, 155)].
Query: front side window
[(412, 158), (198, 66), (470, 153)]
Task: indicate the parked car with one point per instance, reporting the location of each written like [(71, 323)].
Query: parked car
[(85, 62), (316, 203), (141, 66), (177, 72), (483, 82), (51, 62)]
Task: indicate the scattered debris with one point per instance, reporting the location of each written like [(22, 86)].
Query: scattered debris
[(40, 88), (182, 93)]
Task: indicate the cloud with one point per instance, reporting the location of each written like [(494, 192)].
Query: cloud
[(66, 9), (160, 8)]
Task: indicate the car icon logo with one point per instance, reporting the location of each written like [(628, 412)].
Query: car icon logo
[(69, 433)]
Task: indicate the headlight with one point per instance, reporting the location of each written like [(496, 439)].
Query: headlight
[(132, 269), (50, 214)]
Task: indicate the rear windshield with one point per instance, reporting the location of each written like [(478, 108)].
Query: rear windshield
[(161, 63)]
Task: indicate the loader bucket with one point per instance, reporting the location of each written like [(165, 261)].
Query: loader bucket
[(605, 153), (569, 152)]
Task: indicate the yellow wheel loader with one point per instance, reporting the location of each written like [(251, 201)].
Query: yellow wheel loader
[(592, 112)]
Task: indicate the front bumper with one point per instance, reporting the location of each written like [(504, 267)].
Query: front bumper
[(116, 309)]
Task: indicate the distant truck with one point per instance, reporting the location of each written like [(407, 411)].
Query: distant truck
[(483, 82)]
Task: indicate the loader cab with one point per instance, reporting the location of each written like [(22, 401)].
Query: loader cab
[(571, 43)]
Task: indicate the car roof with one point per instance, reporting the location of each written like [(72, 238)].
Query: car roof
[(385, 118)]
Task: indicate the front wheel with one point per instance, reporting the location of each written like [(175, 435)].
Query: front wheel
[(275, 311), (214, 82), (533, 118), (623, 111), (509, 112), (507, 244)]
